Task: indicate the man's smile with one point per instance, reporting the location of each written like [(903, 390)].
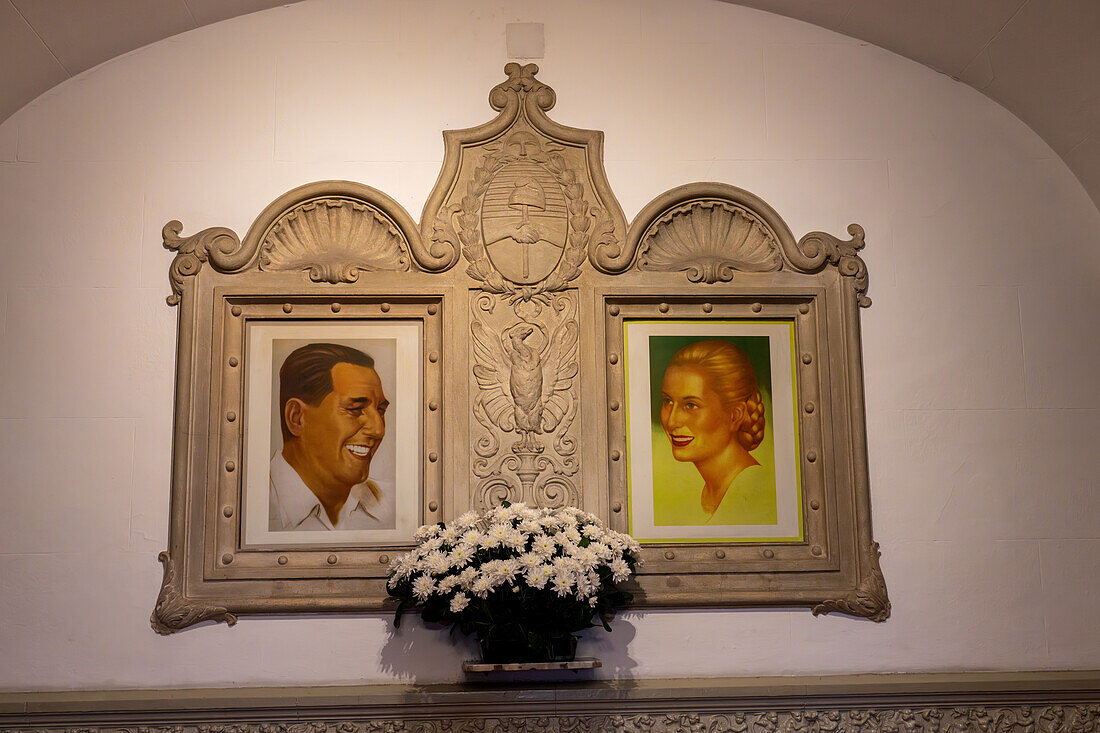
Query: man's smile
[(360, 451), (681, 440)]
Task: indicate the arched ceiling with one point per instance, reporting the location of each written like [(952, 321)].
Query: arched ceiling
[(1038, 58)]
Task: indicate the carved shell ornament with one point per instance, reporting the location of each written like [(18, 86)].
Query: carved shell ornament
[(334, 239), (710, 240)]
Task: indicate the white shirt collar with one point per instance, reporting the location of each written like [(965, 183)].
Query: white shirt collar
[(297, 502)]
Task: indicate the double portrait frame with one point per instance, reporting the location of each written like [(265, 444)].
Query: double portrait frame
[(442, 322)]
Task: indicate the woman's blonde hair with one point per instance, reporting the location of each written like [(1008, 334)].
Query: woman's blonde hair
[(730, 374)]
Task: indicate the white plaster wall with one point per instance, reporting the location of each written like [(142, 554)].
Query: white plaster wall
[(981, 348)]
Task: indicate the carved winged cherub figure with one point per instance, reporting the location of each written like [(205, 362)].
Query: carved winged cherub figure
[(525, 386)]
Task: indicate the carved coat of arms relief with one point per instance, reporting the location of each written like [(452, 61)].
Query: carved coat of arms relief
[(525, 201)]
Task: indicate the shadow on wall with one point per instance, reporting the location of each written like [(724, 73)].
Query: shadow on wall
[(405, 653)]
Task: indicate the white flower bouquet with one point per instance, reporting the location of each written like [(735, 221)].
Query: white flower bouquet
[(524, 580)]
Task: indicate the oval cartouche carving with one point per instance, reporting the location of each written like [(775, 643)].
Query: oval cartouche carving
[(334, 239), (524, 220)]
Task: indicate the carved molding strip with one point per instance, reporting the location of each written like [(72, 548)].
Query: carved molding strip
[(984, 718), (1011, 703)]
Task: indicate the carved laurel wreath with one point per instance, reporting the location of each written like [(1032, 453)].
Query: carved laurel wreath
[(585, 222)]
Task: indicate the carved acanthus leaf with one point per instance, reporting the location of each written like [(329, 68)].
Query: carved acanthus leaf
[(174, 612), (710, 240), (869, 599), (334, 239)]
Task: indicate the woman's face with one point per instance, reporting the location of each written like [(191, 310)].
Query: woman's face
[(692, 415)]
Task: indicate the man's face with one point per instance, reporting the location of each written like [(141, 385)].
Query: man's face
[(340, 435)]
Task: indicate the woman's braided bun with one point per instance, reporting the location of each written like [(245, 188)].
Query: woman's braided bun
[(751, 432)]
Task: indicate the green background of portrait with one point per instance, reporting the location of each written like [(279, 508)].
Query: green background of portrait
[(677, 485)]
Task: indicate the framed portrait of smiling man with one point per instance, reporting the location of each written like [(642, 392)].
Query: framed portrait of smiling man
[(712, 442), (332, 433)]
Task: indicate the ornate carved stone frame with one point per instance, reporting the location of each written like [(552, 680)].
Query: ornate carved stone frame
[(522, 367)]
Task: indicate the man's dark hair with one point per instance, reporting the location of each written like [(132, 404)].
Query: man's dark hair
[(307, 374)]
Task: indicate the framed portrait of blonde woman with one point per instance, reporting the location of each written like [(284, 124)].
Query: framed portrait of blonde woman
[(712, 440)]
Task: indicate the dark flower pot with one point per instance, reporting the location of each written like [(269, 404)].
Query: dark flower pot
[(510, 650)]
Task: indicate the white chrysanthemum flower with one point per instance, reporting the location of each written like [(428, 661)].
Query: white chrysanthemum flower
[(563, 584), (529, 560), (504, 514), (467, 577), (516, 540), (591, 531), (604, 552), (585, 587), (506, 570), (587, 558), (465, 521), (593, 600), (530, 527), (459, 602), (498, 533), (571, 534), (470, 537), (527, 514), (424, 532), (544, 545), (451, 535), (423, 587), (539, 576), (481, 586), (436, 563), (620, 571), (461, 555), (563, 564), (401, 568), (446, 585)]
